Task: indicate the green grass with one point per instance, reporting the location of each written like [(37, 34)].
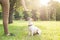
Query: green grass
[(50, 31)]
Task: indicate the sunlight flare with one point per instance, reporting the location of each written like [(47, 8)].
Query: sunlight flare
[(58, 1), (44, 2)]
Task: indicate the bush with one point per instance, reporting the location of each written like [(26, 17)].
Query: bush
[(0, 15)]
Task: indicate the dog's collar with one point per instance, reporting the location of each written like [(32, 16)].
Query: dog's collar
[(29, 25)]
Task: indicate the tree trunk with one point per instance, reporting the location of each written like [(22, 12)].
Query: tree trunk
[(12, 3), (5, 7), (11, 14), (25, 15)]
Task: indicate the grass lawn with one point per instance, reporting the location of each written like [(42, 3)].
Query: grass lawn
[(50, 31)]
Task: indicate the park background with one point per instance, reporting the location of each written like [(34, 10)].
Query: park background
[(46, 16)]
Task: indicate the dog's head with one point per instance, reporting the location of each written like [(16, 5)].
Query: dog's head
[(30, 19)]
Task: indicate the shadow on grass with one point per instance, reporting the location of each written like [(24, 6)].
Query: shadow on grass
[(36, 37)]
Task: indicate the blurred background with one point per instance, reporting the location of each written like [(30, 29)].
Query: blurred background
[(39, 10)]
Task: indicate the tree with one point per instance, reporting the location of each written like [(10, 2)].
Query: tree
[(57, 11), (52, 10), (12, 3), (17, 4), (34, 15)]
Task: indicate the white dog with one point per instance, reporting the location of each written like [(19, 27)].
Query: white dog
[(32, 28)]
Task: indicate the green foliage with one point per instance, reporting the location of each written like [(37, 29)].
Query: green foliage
[(26, 15), (20, 10), (58, 12), (0, 12), (16, 15), (0, 8), (0, 15), (49, 12)]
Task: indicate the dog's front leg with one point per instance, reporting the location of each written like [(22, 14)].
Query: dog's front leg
[(32, 33)]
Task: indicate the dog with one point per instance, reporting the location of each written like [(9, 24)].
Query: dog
[(32, 28)]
